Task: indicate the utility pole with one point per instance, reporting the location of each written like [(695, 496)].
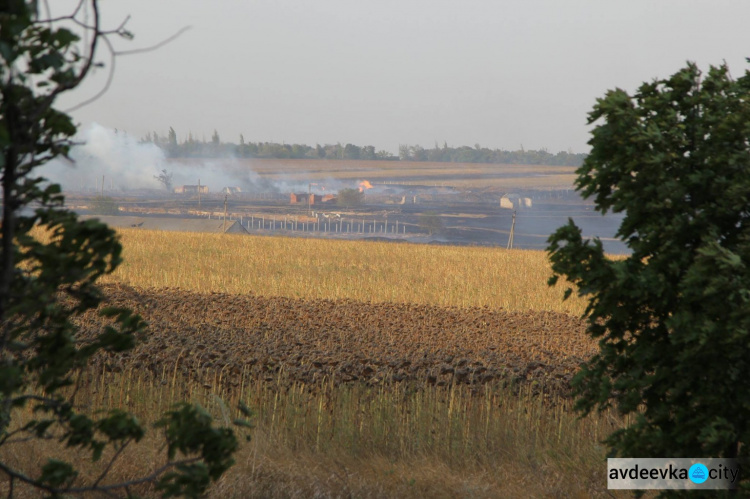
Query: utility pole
[(102, 186), (225, 213), (199, 194), (512, 229), (309, 195)]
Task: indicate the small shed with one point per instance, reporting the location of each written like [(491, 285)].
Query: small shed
[(191, 189), (515, 202), (301, 197)]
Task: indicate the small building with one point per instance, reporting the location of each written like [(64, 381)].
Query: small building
[(191, 189), (301, 198), (514, 202), (231, 190)]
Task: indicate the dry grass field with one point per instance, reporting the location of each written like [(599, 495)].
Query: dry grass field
[(374, 369), (446, 276), (461, 175)]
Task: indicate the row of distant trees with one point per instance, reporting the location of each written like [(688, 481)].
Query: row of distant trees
[(478, 154), (191, 147)]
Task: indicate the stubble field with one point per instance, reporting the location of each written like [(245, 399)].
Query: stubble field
[(375, 369), (460, 175)]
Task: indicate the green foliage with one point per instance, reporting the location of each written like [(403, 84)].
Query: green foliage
[(46, 284), (350, 197), (673, 318), (171, 146), (430, 222), (104, 205), (464, 154), (189, 430)]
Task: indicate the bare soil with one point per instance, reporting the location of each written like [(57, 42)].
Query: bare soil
[(282, 340)]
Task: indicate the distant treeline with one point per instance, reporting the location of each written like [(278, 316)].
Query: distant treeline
[(215, 148)]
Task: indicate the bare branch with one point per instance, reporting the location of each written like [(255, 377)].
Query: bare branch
[(148, 478), (37, 398), (156, 46), (106, 489), (113, 54), (28, 439), (13, 474), (46, 8), (50, 98), (112, 461), (72, 397), (118, 30), (69, 17), (107, 84)]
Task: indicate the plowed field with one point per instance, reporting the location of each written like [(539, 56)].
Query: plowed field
[(343, 341)]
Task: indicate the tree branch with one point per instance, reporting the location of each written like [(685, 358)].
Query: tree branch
[(46, 103), (111, 462), (69, 17), (156, 46), (114, 53), (110, 77), (106, 489)]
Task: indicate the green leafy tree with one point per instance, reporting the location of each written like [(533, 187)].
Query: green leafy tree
[(104, 205), (673, 317), (173, 149), (172, 137), (430, 222), (352, 152), (45, 283), (384, 155), (368, 153), (350, 197), (418, 153), (404, 152)]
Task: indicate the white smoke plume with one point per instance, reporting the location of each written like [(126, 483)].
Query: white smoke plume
[(124, 162), (128, 165)]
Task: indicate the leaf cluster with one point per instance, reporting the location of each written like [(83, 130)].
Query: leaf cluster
[(49, 266), (350, 197), (104, 205), (431, 222), (673, 318)]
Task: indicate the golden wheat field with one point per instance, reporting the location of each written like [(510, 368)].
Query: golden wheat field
[(446, 276), (251, 307), (375, 369)]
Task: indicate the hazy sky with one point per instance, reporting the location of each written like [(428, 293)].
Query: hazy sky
[(501, 73)]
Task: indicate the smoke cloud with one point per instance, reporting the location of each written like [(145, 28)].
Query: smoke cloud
[(128, 165), (123, 162)]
